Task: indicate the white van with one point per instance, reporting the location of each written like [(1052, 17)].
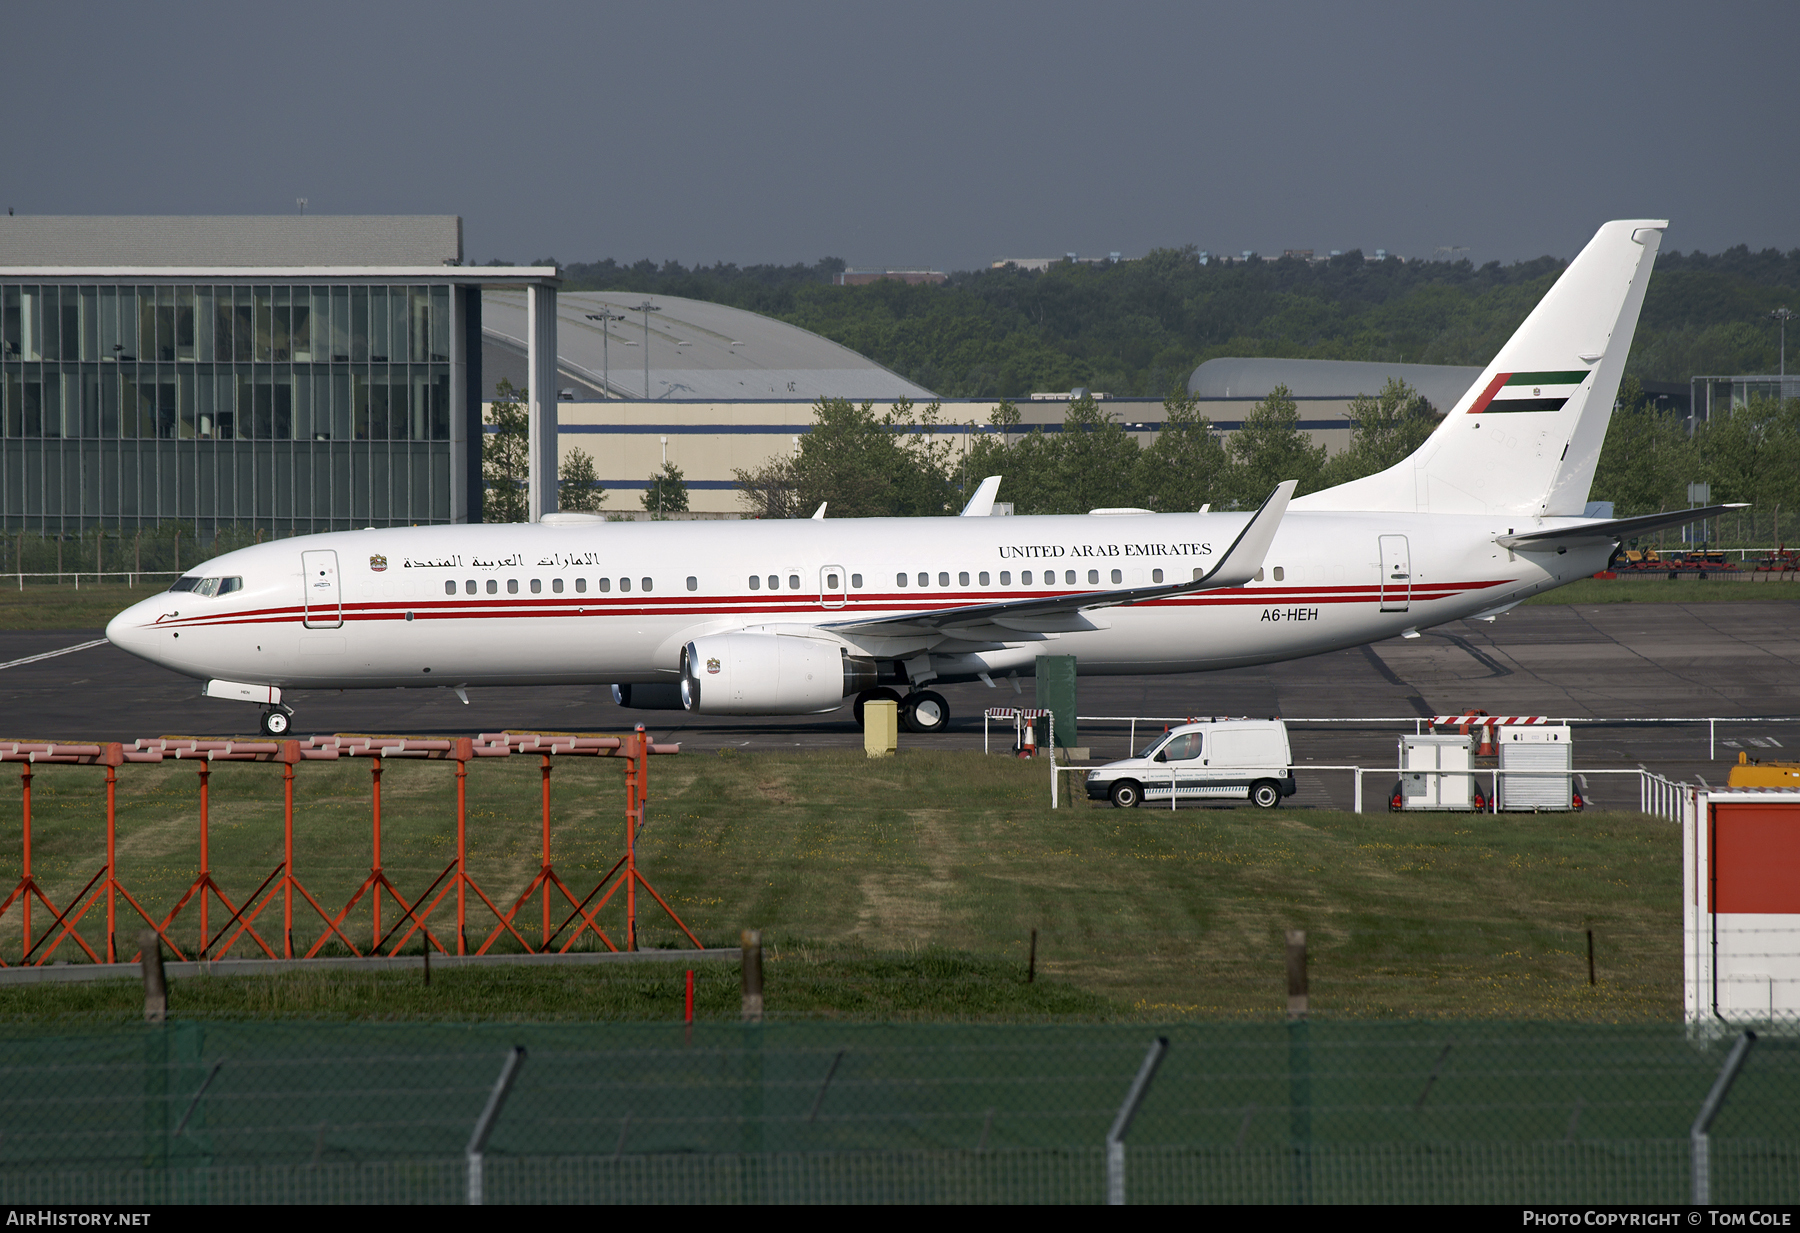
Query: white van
[(1221, 759)]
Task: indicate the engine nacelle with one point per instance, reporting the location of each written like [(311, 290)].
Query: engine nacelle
[(768, 674), (648, 697)]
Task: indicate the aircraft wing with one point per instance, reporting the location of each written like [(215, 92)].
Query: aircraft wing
[(1237, 566), (1610, 530)]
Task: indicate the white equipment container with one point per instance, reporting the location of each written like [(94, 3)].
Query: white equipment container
[(1539, 748), (1423, 781)]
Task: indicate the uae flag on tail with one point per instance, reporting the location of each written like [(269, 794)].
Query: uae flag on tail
[(1528, 391)]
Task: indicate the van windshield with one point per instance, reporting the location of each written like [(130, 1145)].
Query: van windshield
[(1149, 750)]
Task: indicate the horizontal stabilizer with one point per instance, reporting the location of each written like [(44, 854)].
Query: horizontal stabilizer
[(1611, 529)]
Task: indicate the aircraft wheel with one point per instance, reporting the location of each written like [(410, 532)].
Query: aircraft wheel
[(925, 712), (276, 723), (871, 695)]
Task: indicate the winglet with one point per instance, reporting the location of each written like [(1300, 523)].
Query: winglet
[(1245, 556), (981, 505), (819, 514)]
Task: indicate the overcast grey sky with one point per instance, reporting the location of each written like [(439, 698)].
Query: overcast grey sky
[(941, 134)]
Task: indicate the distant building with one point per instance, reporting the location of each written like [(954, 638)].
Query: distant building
[(289, 373), (860, 278)]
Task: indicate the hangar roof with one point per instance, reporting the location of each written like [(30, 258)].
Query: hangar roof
[(1442, 385), (697, 350)]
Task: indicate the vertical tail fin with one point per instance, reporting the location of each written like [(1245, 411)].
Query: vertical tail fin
[(1527, 435)]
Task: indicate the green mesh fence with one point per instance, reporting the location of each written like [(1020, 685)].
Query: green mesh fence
[(1325, 1112)]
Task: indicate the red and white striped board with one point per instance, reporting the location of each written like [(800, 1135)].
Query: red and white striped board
[(1486, 721)]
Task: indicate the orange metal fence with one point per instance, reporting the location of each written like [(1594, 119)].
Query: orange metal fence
[(412, 918)]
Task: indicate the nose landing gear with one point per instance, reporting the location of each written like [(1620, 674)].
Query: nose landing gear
[(277, 720)]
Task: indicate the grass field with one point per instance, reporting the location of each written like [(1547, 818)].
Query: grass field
[(64, 607), (909, 887)]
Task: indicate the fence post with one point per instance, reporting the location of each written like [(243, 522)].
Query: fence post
[(156, 986), (1699, 1138), (750, 943), (484, 1125), (1115, 1138)]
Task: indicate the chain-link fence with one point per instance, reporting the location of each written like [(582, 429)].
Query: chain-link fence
[(1322, 1112)]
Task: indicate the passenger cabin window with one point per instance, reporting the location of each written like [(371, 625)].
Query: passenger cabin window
[(624, 584), (962, 579), (774, 582), (899, 580), (1093, 577), (1117, 576), (1156, 575), (943, 580), (469, 586), (924, 580), (1024, 578), (581, 586), (449, 588), (693, 583), (984, 578), (1280, 573), (605, 585), (537, 587), (1197, 573), (755, 583), (831, 582), (645, 583), (1069, 578), (793, 582), (493, 587), (1005, 577), (856, 582), (512, 586), (556, 585)]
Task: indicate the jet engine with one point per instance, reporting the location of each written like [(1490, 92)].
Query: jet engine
[(769, 674)]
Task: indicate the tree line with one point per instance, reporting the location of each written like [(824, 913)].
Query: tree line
[(908, 461), (1751, 454), (1140, 327)]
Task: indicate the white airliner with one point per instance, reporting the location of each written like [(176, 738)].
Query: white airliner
[(788, 618)]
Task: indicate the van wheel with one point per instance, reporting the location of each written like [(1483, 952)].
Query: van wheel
[(1265, 794), (1126, 794)]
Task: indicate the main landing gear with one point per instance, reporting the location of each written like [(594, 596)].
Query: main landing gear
[(922, 711), (277, 720)]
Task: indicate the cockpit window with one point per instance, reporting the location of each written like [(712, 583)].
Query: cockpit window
[(208, 586)]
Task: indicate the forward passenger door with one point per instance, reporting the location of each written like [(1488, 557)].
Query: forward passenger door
[(321, 593)]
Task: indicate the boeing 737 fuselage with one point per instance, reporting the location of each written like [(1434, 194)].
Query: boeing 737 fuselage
[(796, 617)]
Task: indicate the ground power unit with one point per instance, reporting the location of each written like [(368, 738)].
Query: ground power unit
[(1530, 756), (1435, 773)]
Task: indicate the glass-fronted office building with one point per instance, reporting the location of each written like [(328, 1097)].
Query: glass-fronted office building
[(332, 380)]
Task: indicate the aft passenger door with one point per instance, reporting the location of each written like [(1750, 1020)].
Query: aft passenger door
[(833, 586), (320, 590), (1396, 574)]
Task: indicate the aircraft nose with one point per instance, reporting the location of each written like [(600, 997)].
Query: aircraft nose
[(126, 631)]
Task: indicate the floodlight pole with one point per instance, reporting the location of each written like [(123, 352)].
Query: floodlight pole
[(605, 317), (646, 308), (1782, 316)]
